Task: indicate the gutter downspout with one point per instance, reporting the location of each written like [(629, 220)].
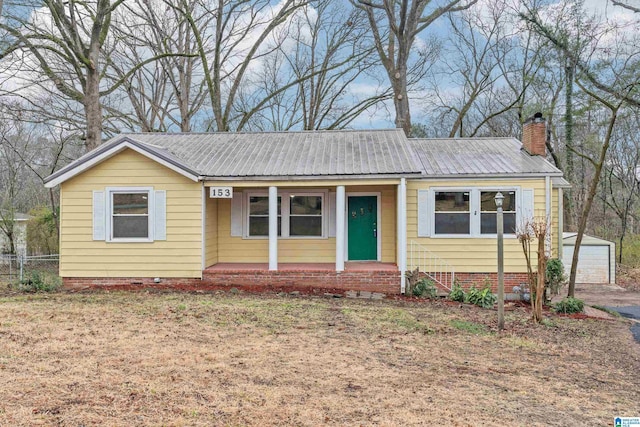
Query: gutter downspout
[(547, 206)]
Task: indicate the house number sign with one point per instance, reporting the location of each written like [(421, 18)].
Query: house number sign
[(221, 192)]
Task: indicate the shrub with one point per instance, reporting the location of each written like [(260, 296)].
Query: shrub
[(457, 293), (481, 297), (569, 305), (554, 275), (42, 233), (424, 288), (37, 281)]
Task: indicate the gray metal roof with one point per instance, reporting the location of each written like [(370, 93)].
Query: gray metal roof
[(324, 154), (478, 156), (287, 154)]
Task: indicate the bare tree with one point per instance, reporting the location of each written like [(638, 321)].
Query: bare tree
[(327, 50), (621, 176), (395, 26), (167, 93), (492, 64), (68, 50), (635, 8), (600, 62), (237, 38)]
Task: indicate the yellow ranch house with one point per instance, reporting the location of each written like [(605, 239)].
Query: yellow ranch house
[(342, 210)]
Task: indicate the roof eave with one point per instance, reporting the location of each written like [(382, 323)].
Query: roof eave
[(510, 175), (293, 178)]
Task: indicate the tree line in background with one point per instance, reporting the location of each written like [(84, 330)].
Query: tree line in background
[(74, 72)]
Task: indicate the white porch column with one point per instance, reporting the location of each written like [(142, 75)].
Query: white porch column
[(402, 231), (340, 220), (273, 228)]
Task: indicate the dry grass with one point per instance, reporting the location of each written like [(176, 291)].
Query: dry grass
[(183, 359)]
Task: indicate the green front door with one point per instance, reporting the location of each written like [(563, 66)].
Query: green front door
[(362, 216)]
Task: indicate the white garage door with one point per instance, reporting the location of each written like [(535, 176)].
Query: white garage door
[(593, 263)]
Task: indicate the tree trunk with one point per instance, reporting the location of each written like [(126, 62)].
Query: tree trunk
[(582, 225), (93, 109), (401, 101), (542, 266), (568, 125)]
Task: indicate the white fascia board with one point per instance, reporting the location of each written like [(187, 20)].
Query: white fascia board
[(112, 152)]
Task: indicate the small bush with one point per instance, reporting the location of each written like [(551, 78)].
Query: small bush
[(424, 288), (554, 275), (569, 305), (481, 297), (457, 293), (37, 281)]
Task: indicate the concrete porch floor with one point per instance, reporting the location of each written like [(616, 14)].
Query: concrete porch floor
[(352, 266)]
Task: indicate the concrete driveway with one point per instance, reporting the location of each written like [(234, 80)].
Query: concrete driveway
[(613, 297)]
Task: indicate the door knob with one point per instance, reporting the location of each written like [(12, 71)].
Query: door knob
[(375, 233)]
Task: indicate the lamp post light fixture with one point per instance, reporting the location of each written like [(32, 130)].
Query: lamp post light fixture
[(499, 198)]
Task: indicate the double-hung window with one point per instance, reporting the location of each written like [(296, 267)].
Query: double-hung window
[(452, 212), (488, 212), (300, 214), (305, 215), (259, 216), (129, 215), (471, 211)]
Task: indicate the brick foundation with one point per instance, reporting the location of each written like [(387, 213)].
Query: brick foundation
[(467, 280), (387, 282)]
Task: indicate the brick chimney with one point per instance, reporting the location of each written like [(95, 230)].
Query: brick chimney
[(534, 135)]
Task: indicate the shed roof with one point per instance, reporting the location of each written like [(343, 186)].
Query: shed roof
[(569, 238), (479, 156)]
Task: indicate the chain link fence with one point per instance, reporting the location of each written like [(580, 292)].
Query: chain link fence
[(17, 270)]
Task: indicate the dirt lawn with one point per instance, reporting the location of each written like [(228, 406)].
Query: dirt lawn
[(220, 359)]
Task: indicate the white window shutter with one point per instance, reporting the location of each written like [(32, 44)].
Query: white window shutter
[(424, 213), (527, 206), (99, 215), (331, 206), (160, 215), (236, 214)]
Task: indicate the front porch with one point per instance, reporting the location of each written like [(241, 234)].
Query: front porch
[(307, 234), (356, 276)]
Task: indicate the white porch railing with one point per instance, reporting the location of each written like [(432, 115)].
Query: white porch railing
[(430, 264)]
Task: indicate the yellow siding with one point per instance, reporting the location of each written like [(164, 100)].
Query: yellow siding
[(238, 249), (179, 256), (467, 254), (211, 233)]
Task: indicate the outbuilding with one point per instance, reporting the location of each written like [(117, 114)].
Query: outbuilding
[(596, 261)]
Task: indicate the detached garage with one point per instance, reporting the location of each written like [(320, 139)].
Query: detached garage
[(596, 262)]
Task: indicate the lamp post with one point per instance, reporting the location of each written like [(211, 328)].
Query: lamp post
[(500, 231)]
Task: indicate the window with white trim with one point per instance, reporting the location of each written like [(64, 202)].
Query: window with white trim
[(472, 211), (305, 215), (488, 211), (259, 216), (129, 215), (300, 214), (452, 212)]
